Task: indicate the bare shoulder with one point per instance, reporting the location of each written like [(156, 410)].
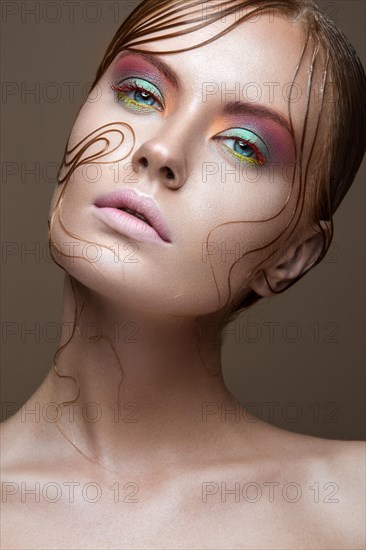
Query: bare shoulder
[(345, 488), (348, 459), (19, 437), (333, 459), (346, 462), (29, 445), (16, 437), (332, 473), (341, 459)]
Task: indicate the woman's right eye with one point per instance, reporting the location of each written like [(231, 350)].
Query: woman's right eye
[(139, 94)]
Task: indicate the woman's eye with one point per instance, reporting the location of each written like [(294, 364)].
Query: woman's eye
[(139, 94), (245, 146)]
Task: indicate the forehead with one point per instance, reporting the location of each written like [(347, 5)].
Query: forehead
[(256, 60), (268, 48), (264, 50)]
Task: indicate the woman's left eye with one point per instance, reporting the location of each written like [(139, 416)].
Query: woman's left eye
[(247, 146), (139, 94)]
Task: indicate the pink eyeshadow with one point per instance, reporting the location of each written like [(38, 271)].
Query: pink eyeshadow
[(277, 139), (133, 65)]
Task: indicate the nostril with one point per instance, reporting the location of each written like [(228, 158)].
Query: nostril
[(144, 161), (170, 174)]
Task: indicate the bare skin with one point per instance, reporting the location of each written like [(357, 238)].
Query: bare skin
[(317, 500), (170, 462)]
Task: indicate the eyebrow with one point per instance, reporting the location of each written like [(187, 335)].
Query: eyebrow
[(232, 108), (242, 108), (169, 74)]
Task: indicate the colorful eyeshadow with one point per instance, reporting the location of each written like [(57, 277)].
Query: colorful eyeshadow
[(143, 94), (248, 147)]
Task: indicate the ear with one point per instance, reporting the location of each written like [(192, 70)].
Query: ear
[(293, 261)]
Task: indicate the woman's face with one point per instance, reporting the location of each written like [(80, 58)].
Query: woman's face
[(217, 118)]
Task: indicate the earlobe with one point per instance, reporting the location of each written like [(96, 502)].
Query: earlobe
[(294, 262)]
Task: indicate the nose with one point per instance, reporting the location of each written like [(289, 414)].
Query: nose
[(162, 160)]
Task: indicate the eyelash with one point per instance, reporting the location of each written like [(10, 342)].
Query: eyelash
[(138, 88), (260, 158)]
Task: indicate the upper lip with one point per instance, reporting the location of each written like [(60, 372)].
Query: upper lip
[(128, 198)]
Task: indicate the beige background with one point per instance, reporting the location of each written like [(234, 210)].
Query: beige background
[(315, 384)]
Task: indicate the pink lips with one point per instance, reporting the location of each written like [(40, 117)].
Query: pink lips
[(153, 229)]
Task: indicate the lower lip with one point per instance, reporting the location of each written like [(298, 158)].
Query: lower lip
[(128, 225)]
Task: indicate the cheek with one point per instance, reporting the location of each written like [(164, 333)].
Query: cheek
[(91, 165), (98, 136), (93, 160), (240, 235), (252, 193), (231, 255), (243, 215)]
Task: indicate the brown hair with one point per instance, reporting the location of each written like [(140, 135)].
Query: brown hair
[(340, 132)]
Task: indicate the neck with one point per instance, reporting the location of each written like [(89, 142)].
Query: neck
[(135, 387)]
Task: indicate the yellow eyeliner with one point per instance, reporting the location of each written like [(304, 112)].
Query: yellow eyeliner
[(241, 157), (128, 100)]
